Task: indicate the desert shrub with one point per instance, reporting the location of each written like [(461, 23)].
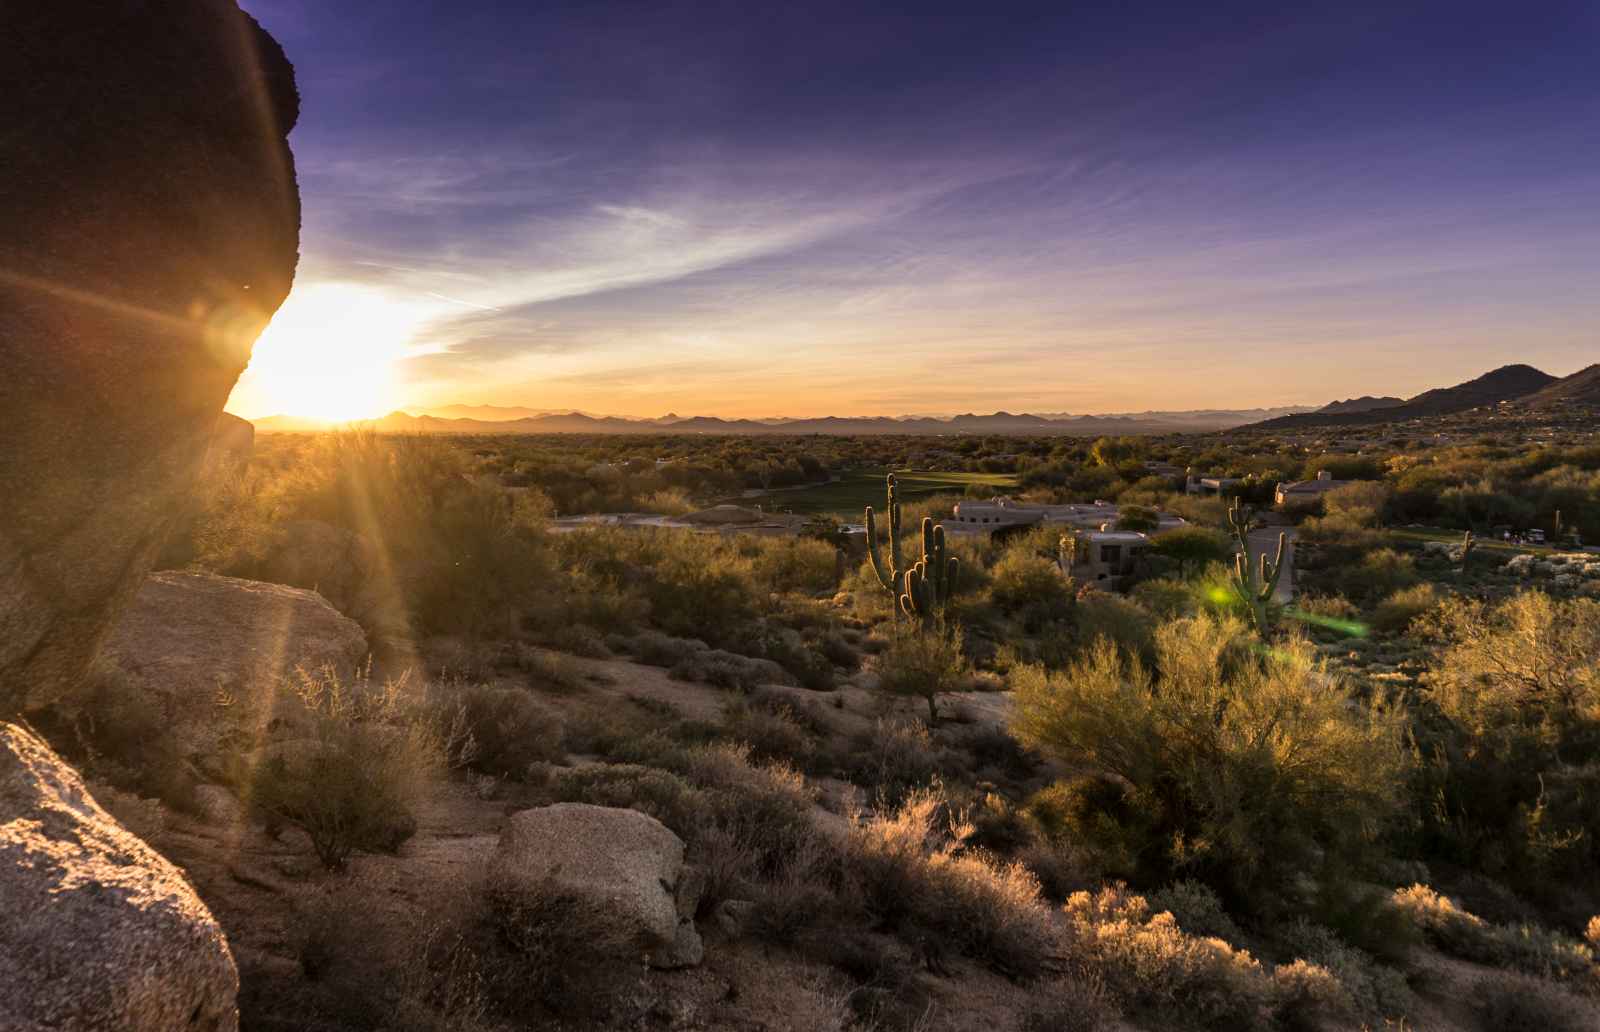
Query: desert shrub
[(1527, 948), (797, 564), (1514, 746), (1197, 910), (1362, 502), (1148, 963), (1077, 1004), (772, 731), (913, 874), (1138, 517), (1102, 817), (119, 733), (799, 895), (601, 600), (657, 649), (784, 648), (1308, 995), (550, 671), (922, 662), (895, 759), (1328, 617), (461, 553), (577, 639), (1166, 597), (1031, 588), (1193, 548), (1101, 615), (1241, 768), (765, 806), (356, 782), (570, 953), (1505, 1002), (697, 584), (1378, 574), (658, 793), (506, 730), (1395, 613), (1373, 991), (669, 501)]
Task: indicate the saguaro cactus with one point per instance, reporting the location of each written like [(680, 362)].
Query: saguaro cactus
[(891, 577), (1254, 585), (920, 589), (1467, 541), (928, 583)]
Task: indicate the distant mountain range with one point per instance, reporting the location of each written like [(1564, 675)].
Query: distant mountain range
[(490, 419), (1366, 403), (1521, 384)]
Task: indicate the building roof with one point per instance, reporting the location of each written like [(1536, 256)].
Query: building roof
[(1310, 486)]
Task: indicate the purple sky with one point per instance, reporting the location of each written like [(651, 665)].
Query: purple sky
[(800, 209)]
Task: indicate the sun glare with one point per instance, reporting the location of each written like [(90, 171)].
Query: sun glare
[(329, 353)]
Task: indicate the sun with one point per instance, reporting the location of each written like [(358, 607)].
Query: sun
[(330, 353)]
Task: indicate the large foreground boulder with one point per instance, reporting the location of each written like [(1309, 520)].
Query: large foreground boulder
[(214, 655), (623, 868), (149, 228), (97, 931)]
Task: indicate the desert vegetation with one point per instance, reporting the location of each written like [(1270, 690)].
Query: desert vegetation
[(936, 766)]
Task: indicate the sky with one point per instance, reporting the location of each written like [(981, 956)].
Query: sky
[(756, 209)]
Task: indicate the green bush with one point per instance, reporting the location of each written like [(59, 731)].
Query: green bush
[(356, 782), (1513, 748), (1395, 613), (1031, 588), (1193, 548), (1197, 910), (1241, 768), (922, 663), (798, 564)]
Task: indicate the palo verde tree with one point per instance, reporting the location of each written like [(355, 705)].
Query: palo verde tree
[(1254, 584)]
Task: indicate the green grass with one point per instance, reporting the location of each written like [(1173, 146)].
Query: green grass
[(855, 490)]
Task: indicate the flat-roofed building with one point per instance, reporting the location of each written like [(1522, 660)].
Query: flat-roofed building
[(1002, 512), (1102, 557), (1307, 490)]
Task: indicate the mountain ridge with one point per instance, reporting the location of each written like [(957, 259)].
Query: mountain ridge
[(578, 422), (1506, 383)]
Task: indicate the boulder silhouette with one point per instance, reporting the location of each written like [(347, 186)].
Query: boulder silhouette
[(149, 228)]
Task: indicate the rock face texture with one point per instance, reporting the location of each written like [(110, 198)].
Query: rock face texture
[(149, 227), (625, 867), (212, 653), (100, 932)]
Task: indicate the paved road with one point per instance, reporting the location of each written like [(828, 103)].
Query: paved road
[(1265, 541)]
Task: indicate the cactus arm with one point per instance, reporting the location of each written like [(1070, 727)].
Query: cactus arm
[(885, 577), (1270, 580), (896, 559)]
